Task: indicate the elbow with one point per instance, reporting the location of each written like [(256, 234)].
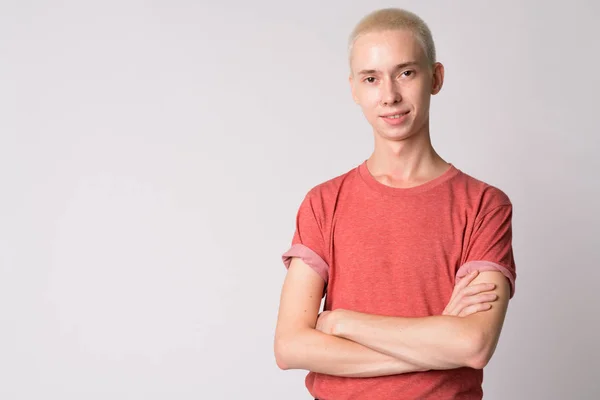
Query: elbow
[(291, 349), (284, 353), (479, 352), (478, 361), (280, 354)]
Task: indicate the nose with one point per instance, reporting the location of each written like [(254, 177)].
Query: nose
[(389, 93)]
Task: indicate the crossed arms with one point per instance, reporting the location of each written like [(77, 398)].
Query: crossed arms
[(352, 344)]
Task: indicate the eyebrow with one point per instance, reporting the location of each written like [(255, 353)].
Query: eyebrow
[(397, 67)]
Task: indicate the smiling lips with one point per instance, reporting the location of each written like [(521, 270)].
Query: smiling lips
[(395, 119), (395, 115)]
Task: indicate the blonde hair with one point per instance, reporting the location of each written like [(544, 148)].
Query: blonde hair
[(394, 19)]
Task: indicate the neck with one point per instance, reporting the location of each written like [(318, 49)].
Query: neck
[(406, 161)]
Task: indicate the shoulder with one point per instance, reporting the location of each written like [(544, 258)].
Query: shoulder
[(328, 190), (322, 198), (481, 195)]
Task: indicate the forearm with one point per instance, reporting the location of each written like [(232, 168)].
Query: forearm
[(316, 351), (435, 342)]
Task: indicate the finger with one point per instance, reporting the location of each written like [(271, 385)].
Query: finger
[(484, 297), (449, 311), (475, 308), (461, 285), (466, 301), (469, 301), (468, 296), (480, 298), (479, 288), (464, 282), (469, 291)]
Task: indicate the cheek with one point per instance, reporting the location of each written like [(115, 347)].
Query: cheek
[(369, 101), (422, 95), (372, 98), (367, 94), (424, 100)]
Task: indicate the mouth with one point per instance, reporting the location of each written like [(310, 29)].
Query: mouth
[(396, 119), (397, 115)]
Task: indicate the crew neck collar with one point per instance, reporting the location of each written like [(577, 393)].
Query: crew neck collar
[(374, 184)]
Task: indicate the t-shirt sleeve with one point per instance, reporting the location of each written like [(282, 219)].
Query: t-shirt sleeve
[(490, 245), (308, 242)]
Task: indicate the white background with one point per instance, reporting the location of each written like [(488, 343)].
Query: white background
[(153, 156)]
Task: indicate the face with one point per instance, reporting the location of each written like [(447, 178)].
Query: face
[(392, 81)]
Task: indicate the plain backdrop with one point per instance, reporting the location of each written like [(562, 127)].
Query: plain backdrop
[(153, 155)]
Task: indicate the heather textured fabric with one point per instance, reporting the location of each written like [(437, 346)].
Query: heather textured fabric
[(399, 252)]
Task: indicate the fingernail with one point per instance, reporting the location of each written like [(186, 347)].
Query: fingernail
[(474, 272)]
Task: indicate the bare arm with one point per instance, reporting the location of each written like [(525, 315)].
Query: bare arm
[(298, 345), (436, 342)]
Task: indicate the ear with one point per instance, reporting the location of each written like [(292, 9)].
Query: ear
[(352, 88), (438, 78)]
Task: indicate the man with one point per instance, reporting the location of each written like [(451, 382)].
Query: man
[(392, 243)]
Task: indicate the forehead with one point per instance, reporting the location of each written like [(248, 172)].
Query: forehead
[(386, 49)]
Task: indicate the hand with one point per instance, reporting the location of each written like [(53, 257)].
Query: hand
[(326, 322), (467, 300)]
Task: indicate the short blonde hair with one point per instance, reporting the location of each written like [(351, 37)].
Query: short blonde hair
[(392, 19)]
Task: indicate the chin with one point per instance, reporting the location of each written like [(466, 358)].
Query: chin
[(396, 135), (404, 130)]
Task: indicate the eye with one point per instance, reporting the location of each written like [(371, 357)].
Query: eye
[(409, 72), (367, 79)]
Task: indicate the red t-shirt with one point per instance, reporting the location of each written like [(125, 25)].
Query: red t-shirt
[(399, 252)]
